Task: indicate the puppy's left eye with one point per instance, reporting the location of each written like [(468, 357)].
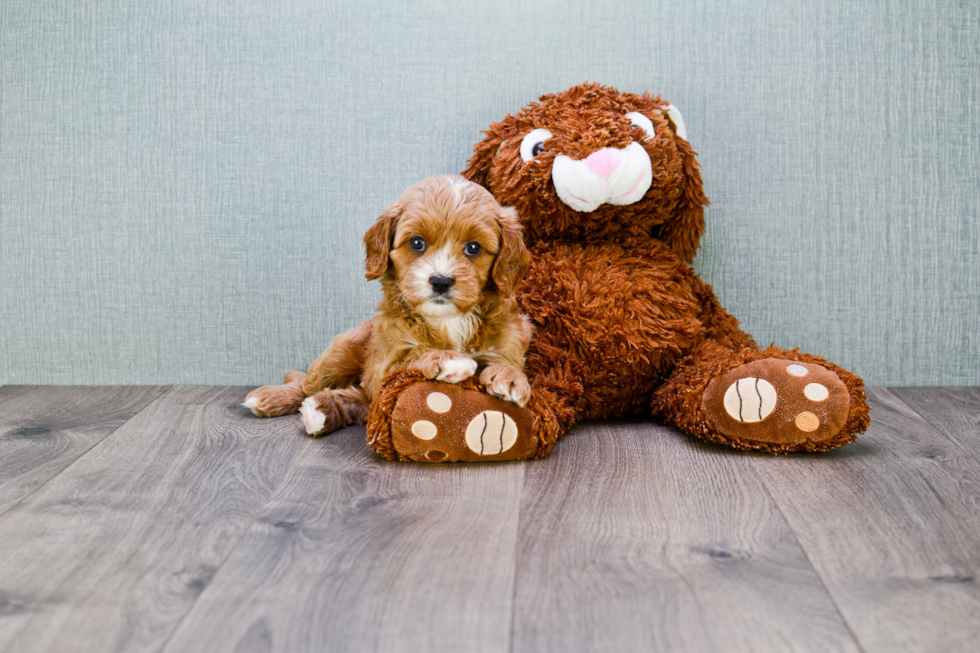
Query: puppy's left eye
[(472, 249), (417, 244)]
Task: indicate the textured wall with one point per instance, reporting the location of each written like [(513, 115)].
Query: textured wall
[(184, 185)]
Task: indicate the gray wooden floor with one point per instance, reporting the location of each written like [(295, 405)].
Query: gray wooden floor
[(168, 519)]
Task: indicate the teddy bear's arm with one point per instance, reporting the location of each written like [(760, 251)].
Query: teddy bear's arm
[(722, 326)]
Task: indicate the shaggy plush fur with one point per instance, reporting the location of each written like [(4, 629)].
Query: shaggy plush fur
[(622, 324), (449, 258)]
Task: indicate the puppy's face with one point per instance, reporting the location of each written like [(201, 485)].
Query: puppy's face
[(445, 242), (442, 254)]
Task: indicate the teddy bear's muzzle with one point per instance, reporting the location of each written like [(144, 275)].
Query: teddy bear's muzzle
[(607, 176)]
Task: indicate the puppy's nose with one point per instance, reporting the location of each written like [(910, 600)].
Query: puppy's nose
[(603, 162), (441, 284)]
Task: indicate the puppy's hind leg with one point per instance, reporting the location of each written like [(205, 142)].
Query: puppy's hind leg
[(334, 408), (276, 400), (338, 367), (342, 364)]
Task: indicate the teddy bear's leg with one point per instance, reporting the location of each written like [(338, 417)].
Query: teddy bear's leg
[(771, 399), (429, 421)]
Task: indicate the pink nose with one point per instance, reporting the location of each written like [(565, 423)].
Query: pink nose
[(604, 162)]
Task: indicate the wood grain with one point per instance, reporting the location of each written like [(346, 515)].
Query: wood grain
[(635, 537), (195, 527), (44, 430), (892, 525), (355, 553), (111, 553), (955, 412)]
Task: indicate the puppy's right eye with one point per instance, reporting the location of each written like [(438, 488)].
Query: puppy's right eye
[(417, 244)]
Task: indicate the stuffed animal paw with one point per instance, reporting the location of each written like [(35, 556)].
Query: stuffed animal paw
[(434, 422), (778, 402)]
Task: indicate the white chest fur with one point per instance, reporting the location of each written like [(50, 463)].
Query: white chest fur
[(459, 329)]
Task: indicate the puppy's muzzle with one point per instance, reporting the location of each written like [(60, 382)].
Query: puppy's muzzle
[(441, 285)]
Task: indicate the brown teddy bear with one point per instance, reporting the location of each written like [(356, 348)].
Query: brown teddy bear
[(609, 192)]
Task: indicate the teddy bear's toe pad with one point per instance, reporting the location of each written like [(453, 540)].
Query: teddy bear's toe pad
[(777, 401), (440, 422)]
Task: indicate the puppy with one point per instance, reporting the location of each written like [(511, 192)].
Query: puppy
[(449, 258)]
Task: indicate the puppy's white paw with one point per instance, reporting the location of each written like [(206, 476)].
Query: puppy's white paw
[(313, 419), (507, 383), (253, 404), (454, 370), (510, 392)]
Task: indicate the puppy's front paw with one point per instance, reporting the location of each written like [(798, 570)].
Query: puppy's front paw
[(455, 370), (448, 366), (507, 383)]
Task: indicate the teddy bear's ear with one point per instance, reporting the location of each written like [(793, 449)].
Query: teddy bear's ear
[(682, 233), (377, 241), (513, 258), (677, 119)]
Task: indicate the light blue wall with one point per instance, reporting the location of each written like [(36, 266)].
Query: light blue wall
[(184, 185)]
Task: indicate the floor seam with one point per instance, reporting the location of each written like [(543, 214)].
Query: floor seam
[(932, 424), (806, 554), (517, 552), (233, 549), (87, 451)]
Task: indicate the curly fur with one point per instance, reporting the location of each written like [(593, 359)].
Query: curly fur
[(444, 334), (622, 324), (549, 420)]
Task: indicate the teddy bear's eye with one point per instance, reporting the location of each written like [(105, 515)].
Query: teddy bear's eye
[(639, 120), (417, 244), (533, 143)]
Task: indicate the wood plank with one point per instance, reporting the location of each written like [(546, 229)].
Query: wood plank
[(635, 537), (110, 554), (892, 525), (45, 429), (955, 412), (11, 390), (355, 553)]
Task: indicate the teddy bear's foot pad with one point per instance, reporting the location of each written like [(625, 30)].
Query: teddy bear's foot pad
[(439, 422), (779, 402)]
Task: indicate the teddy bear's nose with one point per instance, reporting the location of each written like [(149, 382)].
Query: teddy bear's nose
[(603, 162)]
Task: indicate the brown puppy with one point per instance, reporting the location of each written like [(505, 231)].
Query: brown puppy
[(449, 258)]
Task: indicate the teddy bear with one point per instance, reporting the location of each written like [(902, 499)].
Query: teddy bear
[(609, 193)]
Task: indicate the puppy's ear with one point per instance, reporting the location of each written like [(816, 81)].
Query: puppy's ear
[(377, 242), (513, 258)]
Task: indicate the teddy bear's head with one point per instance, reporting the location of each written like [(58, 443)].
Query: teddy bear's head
[(593, 163)]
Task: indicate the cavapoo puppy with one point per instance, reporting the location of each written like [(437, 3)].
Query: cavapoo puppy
[(449, 258)]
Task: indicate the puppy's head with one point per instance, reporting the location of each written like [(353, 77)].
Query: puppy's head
[(444, 243)]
